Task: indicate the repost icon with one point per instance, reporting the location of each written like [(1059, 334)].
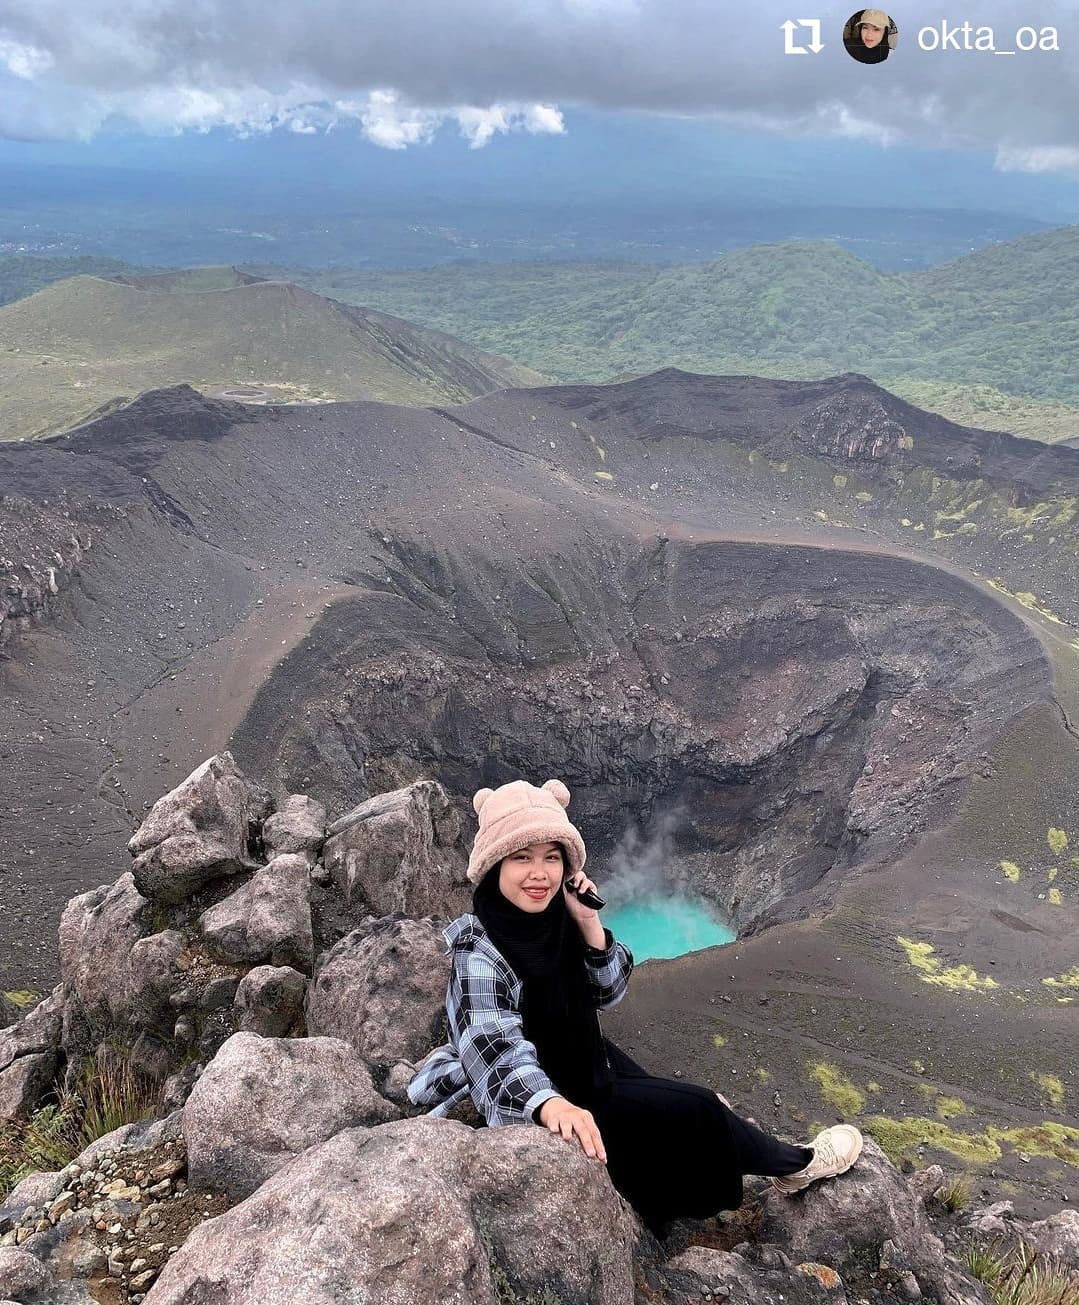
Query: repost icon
[(801, 36)]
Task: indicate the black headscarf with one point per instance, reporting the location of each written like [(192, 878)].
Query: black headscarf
[(546, 952)]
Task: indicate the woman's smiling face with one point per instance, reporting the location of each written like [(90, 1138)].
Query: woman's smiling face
[(872, 36), (530, 877)]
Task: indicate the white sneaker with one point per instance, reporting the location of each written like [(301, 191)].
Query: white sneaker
[(834, 1151)]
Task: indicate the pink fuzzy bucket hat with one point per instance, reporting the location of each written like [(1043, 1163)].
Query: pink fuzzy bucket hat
[(517, 814)]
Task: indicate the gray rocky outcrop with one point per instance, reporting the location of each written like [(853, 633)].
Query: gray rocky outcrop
[(268, 919), (118, 978), (298, 825), (766, 1276), (1057, 1237), (21, 1273), (383, 989), (198, 831), (24, 1082), (269, 1000), (29, 1056), (262, 1101), (871, 1212), (417, 1210), (401, 851)]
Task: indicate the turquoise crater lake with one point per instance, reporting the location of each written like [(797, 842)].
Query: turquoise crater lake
[(661, 927)]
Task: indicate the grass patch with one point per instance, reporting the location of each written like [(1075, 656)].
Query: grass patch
[(21, 997), (1011, 871), (105, 1096), (1069, 979), (955, 1194), (837, 1089), (956, 978), (949, 1107), (1018, 1275), (1051, 1088), (1057, 840), (900, 1138)]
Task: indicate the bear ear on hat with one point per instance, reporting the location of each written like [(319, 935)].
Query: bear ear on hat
[(558, 790), (480, 798)]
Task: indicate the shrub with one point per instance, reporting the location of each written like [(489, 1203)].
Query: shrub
[(955, 1195), (1018, 1275), (104, 1096)]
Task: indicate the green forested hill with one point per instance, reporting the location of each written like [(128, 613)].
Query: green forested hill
[(988, 340), (23, 274)]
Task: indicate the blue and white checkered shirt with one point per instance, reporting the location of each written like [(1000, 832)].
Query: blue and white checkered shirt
[(488, 1056)]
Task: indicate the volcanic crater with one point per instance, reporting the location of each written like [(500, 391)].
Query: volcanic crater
[(699, 601)]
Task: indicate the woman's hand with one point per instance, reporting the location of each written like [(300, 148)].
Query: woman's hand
[(587, 919), (561, 1116)]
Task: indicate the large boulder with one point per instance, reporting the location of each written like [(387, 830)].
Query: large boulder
[(118, 980), (270, 1000), (417, 1210), (28, 1056), (869, 1213), (268, 919), (383, 989), (22, 1274), (401, 851), (1057, 1237), (262, 1101), (298, 825), (197, 832)]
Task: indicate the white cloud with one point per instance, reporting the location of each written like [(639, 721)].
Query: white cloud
[(26, 61), (1039, 158), (488, 67)]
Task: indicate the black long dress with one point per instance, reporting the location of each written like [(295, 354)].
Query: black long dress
[(670, 1150)]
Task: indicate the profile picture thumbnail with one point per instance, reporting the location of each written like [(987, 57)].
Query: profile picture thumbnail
[(870, 35)]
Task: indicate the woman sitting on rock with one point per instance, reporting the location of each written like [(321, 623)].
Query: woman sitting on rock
[(531, 966)]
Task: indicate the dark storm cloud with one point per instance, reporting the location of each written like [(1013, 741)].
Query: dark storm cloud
[(401, 70)]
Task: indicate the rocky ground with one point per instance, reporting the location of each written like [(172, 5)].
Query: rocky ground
[(279, 1023), (696, 600)]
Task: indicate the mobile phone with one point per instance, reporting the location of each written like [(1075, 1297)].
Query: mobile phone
[(587, 898)]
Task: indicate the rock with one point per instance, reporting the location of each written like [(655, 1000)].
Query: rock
[(298, 825), (268, 919), (34, 1190), (383, 989), (839, 1222), (400, 851), (395, 1084), (118, 982), (37, 1031), (270, 1000), (22, 1273), (418, 1210), (1057, 1236), (261, 1101), (144, 1134), (926, 1183), (197, 832), (992, 1220), (25, 1082), (728, 1276)]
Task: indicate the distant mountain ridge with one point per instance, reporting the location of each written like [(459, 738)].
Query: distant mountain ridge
[(83, 346), (988, 340)]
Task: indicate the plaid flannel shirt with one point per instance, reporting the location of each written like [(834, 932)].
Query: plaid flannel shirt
[(488, 1056)]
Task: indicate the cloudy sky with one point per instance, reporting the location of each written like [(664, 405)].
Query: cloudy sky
[(400, 73)]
